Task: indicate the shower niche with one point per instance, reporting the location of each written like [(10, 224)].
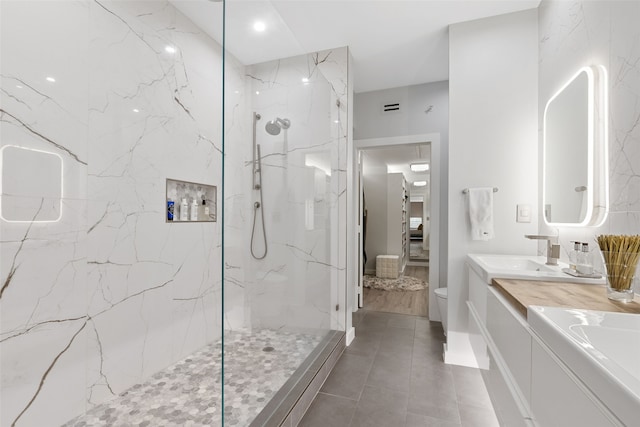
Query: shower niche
[(190, 202)]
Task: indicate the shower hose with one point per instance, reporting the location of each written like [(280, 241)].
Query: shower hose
[(258, 206)]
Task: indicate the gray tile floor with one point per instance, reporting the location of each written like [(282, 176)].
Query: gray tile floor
[(393, 375)]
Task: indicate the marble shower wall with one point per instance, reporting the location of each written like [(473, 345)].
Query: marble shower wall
[(577, 33), (296, 286), (109, 294)]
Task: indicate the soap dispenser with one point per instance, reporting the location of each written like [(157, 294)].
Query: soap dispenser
[(584, 264), (203, 211), (573, 256)]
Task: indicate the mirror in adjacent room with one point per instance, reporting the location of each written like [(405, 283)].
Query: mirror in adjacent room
[(575, 151)]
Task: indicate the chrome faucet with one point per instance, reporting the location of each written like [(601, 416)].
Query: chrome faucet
[(553, 248)]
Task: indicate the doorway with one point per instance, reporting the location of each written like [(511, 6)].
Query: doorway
[(378, 232)]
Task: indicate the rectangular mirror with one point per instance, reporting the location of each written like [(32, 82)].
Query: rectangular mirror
[(575, 178)]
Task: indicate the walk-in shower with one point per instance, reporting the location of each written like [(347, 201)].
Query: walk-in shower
[(138, 319), (283, 167)]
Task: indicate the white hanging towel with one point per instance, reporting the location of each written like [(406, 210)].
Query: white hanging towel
[(481, 213)]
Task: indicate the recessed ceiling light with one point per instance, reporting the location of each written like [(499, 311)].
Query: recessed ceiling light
[(419, 167), (170, 49), (51, 79), (305, 80), (257, 92), (259, 26), (420, 183), (135, 110), (19, 87)]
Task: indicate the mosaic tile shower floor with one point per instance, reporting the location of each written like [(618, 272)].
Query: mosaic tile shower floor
[(188, 393)]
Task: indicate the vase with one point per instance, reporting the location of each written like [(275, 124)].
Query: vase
[(621, 274)]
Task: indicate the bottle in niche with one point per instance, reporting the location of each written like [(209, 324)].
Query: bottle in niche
[(194, 210), (584, 264), (170, 209), (573, 256), (184, 210), (203, 211)]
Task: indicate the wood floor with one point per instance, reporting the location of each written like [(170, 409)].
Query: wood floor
[(404, 302)]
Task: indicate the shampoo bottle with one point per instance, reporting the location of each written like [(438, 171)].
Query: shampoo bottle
[(203, 211), (170, 209), (194, 210), (184, 210)]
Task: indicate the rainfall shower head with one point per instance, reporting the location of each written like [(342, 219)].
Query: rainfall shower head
[(274, 126)]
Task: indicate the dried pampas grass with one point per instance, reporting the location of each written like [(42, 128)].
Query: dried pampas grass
[(621, 254)]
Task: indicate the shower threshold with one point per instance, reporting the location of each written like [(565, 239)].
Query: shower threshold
[(288, 405)]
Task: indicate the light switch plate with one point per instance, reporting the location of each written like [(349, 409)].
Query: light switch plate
[(523, 213)]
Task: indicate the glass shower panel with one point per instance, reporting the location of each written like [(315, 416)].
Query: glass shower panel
[(285, 209), (102, 299), (291, 287)]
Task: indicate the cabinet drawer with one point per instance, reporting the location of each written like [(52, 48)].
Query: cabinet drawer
[(510, 333), (556, 399)]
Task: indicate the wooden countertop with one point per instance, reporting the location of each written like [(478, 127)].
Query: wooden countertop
[(523, 293)]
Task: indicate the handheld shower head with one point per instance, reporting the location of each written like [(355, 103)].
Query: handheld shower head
[(274, 126)]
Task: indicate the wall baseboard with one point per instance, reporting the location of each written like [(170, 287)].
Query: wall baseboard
[(351, 334)]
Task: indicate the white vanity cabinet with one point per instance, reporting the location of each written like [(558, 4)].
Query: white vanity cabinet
[(478, 318), (510, 333), (528, 384), (493, 333)]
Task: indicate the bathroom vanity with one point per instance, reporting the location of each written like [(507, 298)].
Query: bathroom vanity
[(535, 372)]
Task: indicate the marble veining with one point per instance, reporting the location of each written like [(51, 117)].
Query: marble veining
[(577, 33), (295, 286), (110, 294)]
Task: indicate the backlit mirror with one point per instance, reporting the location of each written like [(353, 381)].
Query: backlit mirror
[(575, 151)]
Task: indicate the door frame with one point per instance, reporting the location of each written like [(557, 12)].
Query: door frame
[(354, 206)]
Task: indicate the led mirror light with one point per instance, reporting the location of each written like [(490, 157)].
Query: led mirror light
[(31, 185), (575, 163)]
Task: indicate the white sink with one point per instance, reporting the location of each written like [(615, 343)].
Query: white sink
[(489, 266), (512, 263), (601, 348)]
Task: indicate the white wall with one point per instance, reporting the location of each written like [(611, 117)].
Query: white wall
[(492, 143), (370, 122), (578, 33), (375, 193)]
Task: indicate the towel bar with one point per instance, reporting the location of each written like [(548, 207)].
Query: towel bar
[(466, 190)]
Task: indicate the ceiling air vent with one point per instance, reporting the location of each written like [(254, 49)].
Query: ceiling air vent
[(393, 107)]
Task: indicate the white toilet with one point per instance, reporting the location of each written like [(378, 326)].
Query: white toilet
[(441, 299)]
